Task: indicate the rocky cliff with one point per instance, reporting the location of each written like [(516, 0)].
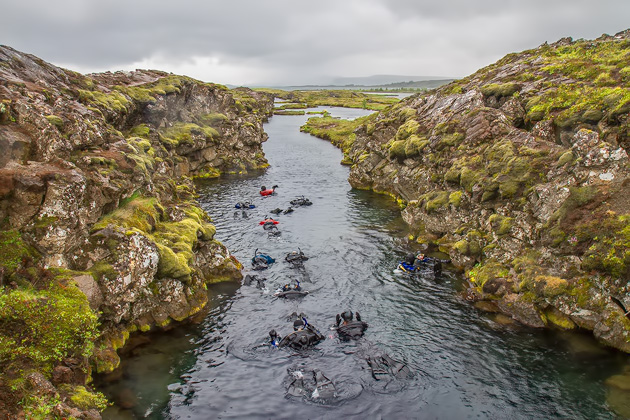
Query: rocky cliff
[(519, 172), (100, 233)]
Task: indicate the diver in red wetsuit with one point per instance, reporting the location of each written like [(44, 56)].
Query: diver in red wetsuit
[(264, 191)]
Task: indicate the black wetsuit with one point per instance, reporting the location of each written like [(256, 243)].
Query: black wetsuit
[(352, 330), (302, 339)]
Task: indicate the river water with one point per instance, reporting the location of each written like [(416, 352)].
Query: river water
[(465, 364)]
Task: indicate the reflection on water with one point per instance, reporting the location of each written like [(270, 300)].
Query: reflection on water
[(466, 363)]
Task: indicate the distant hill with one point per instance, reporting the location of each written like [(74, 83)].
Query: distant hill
[(383, 79), (385, 82)]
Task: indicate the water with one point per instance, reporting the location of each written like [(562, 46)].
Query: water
[(465, 363)]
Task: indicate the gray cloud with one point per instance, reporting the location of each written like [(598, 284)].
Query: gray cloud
[(281, 41)]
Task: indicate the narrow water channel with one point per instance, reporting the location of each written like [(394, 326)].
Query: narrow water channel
[(465, 364)]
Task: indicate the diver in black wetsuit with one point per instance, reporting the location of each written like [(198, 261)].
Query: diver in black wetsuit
[(250, 279), (296, 258), (383, 365), (304, 335), (310, 383), (349, 328)]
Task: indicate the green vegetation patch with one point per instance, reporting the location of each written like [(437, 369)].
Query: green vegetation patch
[(339, 132), (13, 250), (175, 240), (589, 61), (434, 200), (501, 225), (609, 251), (410, 127), (185, 133), (502, 169), (55, 120), (214, 119), (543, 285), (146, 93), (44, 326), (472, 244), (455, 198), (500, 90), (341, 98), (490, 269), (114, 101), (571, 103), (86, 400), (140, 130), (288, 112), (407, 143)]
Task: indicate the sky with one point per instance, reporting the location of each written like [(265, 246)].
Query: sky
[(297, 42)]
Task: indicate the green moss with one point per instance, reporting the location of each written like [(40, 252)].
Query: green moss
[(339, 132), (102, 270), (452, 139), (44, 326), (407, 113), (490, 269), (610, 248), (551, 286), (436, 201), (87, 400), (343, 98), (139, 213), (175, 240), (397, 149), (55, 120), (40, 407), (290, 106), (171, 264), (461, 246), (285, 112), (455, 198), (113, 101), (147, 93), (500, 90), (410, 127), (572, 103), (414, 145), (501, 225), (185, 133), (468, 178), (13, 250), (452, 175), (214, 119), (556, 318), (141, 130), (566, 158), (208, 173)]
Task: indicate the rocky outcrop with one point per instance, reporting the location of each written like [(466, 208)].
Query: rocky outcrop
[(521, 173), (96, 197)]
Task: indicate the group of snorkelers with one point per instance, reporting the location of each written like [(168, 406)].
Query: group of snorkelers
[(348, 325)]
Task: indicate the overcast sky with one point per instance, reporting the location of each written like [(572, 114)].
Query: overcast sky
[(283, 42)]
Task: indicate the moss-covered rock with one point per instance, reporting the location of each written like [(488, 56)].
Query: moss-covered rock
[(536, 145), (95, 185)]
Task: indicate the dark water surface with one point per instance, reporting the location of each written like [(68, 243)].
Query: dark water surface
[(465, 363)]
